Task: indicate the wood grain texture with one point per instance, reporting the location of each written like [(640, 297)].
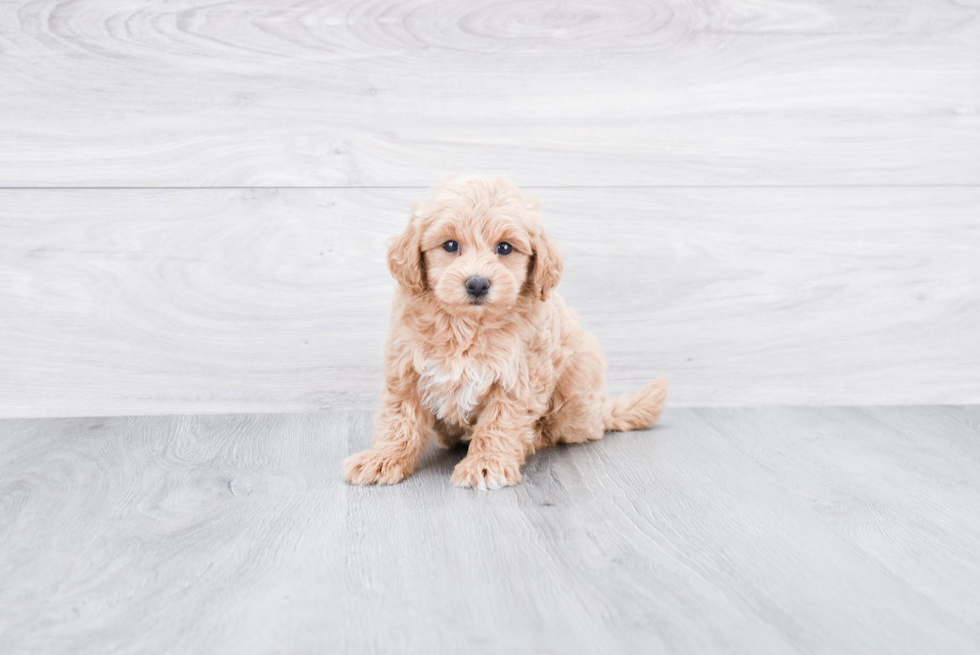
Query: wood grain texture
[(170, 301), (374, 93), (722, 530)]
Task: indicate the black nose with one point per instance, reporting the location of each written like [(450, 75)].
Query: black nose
[(477, 286)]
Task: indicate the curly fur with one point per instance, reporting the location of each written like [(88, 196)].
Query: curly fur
[(512, 374)]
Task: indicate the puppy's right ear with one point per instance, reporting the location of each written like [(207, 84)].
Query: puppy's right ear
[(405, 257)]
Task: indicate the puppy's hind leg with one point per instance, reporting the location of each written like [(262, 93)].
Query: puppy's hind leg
[(580, 419), (580, 397)]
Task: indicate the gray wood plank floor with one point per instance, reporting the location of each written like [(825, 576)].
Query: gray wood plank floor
[(810, 530)]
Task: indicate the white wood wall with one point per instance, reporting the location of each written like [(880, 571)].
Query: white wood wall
[(769, 202)]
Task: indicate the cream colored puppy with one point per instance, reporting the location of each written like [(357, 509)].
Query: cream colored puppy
[(482, 349)]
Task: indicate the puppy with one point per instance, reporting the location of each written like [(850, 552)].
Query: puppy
[(482, 349)]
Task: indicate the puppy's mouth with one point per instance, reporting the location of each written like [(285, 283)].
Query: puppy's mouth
[(482, 300)]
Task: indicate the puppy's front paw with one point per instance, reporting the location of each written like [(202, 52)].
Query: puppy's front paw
[(482, 472), (376, 467)]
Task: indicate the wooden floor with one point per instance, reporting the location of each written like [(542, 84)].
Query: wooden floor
[(810, 530)]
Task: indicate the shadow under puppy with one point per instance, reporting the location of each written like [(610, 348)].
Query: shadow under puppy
[(481, 349)]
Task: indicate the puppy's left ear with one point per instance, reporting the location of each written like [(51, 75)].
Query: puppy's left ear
[(548, 265), (405, 257)]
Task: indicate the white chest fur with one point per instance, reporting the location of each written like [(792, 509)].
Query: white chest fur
[(452, 390)]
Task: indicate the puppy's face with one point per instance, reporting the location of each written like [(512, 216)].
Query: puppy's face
[(476, 246), (476, 261)]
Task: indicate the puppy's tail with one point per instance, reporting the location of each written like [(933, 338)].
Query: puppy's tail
[(638, 410)]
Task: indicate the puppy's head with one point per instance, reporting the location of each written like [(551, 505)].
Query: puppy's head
[(476, 246)]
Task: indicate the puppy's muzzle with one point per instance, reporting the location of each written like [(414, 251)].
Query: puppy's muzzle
[(477, 286)]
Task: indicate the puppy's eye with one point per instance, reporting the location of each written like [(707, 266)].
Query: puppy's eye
[(450, 246), (504, 248)]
